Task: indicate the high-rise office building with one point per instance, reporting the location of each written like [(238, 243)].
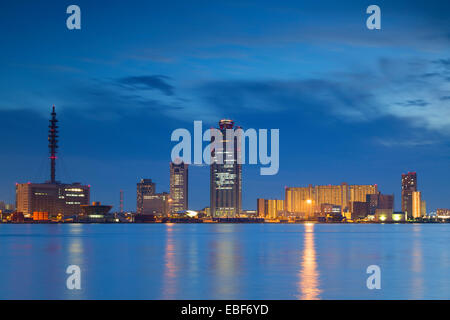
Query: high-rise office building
[(307, 201), (144, 188), (409, 185), (226, 175), (52, 197), (178, 187)]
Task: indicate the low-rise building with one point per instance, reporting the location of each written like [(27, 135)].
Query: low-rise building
[(53, 198)]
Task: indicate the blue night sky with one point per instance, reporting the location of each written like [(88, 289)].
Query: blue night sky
[(352, 105)]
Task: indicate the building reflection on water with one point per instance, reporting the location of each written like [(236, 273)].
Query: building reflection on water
[(417, 280), (74, 254), (226, 261), (169, 289), (185, 268), (308, 284)]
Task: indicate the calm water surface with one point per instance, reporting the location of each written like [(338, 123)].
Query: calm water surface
[(225, 261)]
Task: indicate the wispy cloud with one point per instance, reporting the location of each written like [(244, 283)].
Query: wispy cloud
[(413, 103), (395, 88), (408, 143), (152, 82)]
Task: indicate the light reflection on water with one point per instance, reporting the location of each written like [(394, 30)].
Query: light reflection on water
[(170, 269), (224, 261), (309, 274), (417, 262)]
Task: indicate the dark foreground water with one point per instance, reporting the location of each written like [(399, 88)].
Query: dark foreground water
[(225, 261)]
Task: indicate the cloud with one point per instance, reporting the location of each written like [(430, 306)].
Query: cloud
[(152, 82), (443, 62), (408, 142), (413, 103), (310, 95), (394, 88), (105, 100)]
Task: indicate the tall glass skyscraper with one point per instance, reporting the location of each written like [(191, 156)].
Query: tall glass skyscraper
[(178, 187), (226, 176), (409, 185)]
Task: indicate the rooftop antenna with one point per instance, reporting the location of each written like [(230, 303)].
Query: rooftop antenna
[(121, 201), (53, 145)]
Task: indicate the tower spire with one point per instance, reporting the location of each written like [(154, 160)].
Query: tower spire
[(53, 144), (121, 201)]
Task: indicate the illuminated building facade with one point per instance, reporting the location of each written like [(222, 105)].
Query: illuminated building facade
[(270, 208), (388, 215), (40, 216), (52, 198), (306, 201), (443, 212), (144, 188), (327, 209), (416, 204), (299, 201), (409, 185), (225, 177), (360, 192), (178, 187)]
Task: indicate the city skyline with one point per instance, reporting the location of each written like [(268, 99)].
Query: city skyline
[(351, 201), (351, 104), (151, 202)]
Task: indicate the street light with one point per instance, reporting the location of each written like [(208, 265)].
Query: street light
[(309, 202)]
